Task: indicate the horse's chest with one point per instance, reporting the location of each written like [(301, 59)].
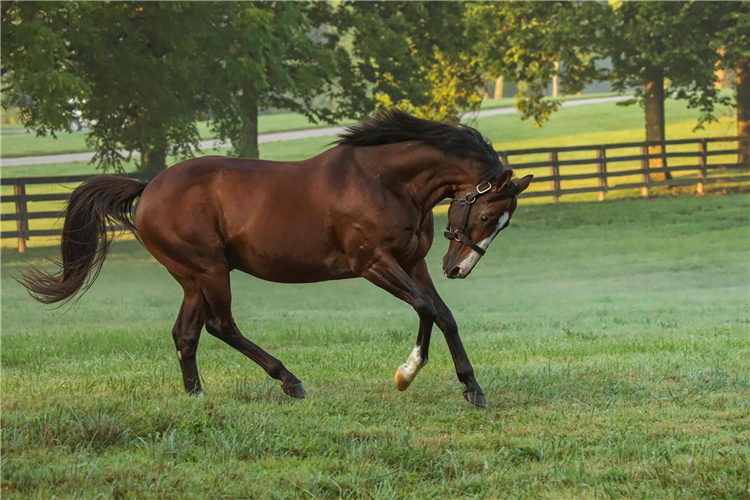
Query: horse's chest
[(413, 248)]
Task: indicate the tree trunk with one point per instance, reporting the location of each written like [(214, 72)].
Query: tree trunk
[(248, 137), (154, 155), (654, 104), (499, 88), (743, 108)]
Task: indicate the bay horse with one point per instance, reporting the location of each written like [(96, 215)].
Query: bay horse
[(360, 209)]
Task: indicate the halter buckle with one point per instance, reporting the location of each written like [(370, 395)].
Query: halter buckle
[(482, 191)]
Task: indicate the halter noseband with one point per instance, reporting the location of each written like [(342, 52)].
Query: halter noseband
[(462, 233)]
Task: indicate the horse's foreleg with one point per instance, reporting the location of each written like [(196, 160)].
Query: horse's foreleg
[(388, 275), (220, 323), (186, 334), (447, 324)]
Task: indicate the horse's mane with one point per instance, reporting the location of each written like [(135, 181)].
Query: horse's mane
[(393, 125)]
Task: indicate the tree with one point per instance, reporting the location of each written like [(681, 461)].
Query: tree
[(125, 66), (275, 54), (34, 55), (732, 43), (142, 72), (650, 43), (412, 55), (141, 67), (531, 42)]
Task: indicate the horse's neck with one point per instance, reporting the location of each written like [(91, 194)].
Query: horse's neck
[(429, 174)]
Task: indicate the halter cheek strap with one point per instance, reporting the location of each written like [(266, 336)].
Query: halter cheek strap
[(462, 233)]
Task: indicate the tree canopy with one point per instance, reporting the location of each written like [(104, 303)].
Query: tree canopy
[(531, 42), (142, 73), (412, 55)]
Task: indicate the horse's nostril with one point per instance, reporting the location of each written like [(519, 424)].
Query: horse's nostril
[(454, 272)]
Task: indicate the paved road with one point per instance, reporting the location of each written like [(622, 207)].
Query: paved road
[(280, 136)]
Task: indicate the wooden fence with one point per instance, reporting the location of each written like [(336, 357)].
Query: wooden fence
[(698, 161), (605, 169)]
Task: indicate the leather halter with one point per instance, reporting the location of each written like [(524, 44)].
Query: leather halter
[(466, 201)]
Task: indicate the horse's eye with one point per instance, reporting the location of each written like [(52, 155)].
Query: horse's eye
[(484, 218)]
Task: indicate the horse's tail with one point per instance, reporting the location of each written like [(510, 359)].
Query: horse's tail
[(86, 239)]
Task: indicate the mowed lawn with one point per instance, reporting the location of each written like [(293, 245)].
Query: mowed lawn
[(611, 340)]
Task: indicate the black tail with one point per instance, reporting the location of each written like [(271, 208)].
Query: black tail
[(86, 240)]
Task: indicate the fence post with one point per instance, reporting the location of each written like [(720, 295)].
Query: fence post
[(504, 159), (554, 171), (22, 223), (645, 177), (702, 162), (601, 168)]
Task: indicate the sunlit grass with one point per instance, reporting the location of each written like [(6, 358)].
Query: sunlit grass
[(611, 340)]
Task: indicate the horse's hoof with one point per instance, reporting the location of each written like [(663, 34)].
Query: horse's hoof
[(295, 391), (475, 398), (401, 383)]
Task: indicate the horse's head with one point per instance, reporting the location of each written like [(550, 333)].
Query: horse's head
[(476, 218)]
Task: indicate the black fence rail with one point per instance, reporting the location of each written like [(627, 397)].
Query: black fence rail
[(607, 163), (652, 158)]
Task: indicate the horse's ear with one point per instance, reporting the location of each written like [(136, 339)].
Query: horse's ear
[(503, 180), (524, 183)]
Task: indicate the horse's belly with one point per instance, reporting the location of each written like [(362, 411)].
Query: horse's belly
[(288, 267)]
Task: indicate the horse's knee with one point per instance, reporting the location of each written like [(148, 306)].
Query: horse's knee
[(186, 347), (213, 326), (426, 309)]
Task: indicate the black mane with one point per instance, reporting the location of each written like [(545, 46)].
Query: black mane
[(395, 125)]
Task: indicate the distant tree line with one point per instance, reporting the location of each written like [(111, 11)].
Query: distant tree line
[(143, 73)]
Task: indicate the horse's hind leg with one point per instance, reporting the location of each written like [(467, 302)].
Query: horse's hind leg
[(187, 333), (220, 323)]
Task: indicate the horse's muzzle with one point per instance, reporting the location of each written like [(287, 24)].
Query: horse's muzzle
[(456, 272)]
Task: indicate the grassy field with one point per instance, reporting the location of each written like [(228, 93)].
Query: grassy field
[(611, 340), (16, 145)]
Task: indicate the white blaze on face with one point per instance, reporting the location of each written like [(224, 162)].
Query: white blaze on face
[(471, 260), (407, 372)]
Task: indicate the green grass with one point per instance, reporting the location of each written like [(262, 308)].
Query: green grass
[(509, 102), (611, 340), (30, 144)]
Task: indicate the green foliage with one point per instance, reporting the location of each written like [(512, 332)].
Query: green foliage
[(673, 37), (275, 54), (522, 41), (142, 72), (454, 89), (733, 36), (124, 66), (36, 62), (412, 55)]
